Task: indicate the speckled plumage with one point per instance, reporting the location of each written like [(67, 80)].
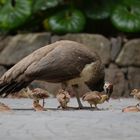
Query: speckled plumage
[(63, 98), (136, 93), (94, 98), (37, 106), (4, 108), (64, 61), (131, 109)]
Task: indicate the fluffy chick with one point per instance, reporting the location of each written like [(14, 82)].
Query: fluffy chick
[(63, 98), (94, 98), (136, 93), (37, 106), (131, 108), (4, 108), (37, 94)]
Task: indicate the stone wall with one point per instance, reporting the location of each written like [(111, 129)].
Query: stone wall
[(120, 56)]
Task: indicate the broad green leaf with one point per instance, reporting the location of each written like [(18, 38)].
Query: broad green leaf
[(126, 16), (14, 13), (67, 21), (100, 9), (44, 4)]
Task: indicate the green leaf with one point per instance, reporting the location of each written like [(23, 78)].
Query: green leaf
[(71, 21), (126, 16), (100, 9), (14, 13), (2, 1), (46, 25), (44, 4)]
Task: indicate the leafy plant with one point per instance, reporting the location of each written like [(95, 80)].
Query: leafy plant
[(70, 20), (64, 16), (44, 4), (2, 2), (100, 9), (126, 16), (14, 13)]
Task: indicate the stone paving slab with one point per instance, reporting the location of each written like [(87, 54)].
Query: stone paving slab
[(109, 124)]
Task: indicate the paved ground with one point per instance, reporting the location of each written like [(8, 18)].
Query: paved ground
[(109, 124)]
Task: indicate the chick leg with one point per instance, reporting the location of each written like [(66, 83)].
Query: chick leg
[(59, 107), (91, 105), (43, 103), (75, 89), (96, 107)]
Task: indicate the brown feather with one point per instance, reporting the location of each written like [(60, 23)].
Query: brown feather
[(94, 97), (136, 93), (63, 98), (4, 107), (57, 62), (37, 106)]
